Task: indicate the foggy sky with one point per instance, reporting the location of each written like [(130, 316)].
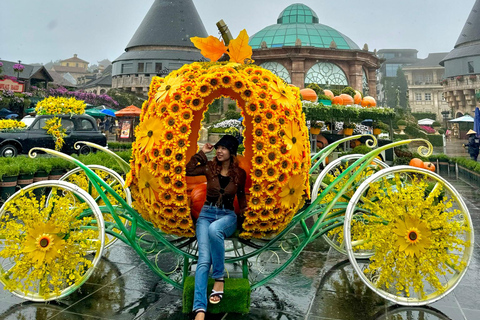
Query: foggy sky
[(42, 31)]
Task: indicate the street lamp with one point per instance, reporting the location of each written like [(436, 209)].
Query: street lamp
[(445, 114)]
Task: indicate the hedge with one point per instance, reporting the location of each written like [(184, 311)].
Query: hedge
[(424, 115), (319, 112)]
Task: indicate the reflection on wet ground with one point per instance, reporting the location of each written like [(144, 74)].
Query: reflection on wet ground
[(319, 284)]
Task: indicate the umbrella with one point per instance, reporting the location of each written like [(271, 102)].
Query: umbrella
[(240, 119), (30, 110), (425, 122), (367, 122), (108, 112), (465, 118), (11, 116), (95, 113), (130, 111), (4, 112)]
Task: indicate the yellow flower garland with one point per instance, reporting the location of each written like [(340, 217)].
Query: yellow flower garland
[(8, 124), (276, 145)]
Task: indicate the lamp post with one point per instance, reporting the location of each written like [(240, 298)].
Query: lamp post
[(445, 114)]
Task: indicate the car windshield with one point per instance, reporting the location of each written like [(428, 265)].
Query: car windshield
[(28, 120)]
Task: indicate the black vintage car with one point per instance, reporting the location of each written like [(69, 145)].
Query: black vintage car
[(78, 128)]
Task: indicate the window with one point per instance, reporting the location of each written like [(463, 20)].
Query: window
[(76, 64), (428, 78), (86, 125), (127, 68), (67, 124), (391, 69), (158, 67), (148, 67), (141, 67), (443, 96), (418, 96), (428, 96), (471, 68)]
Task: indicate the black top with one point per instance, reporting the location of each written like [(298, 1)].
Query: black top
[(226, 201)]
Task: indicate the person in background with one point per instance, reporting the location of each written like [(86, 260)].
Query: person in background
[(107, 124), (217, 220), (473, 144)]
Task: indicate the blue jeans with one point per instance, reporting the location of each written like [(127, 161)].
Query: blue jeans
[(213, 226)]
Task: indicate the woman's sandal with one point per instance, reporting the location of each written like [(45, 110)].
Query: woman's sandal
[(215, 293)]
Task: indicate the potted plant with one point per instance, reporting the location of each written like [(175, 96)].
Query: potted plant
[(402, 124), (348, 128), (316, 127), (459, 78), (324, 99), (43, 169), (28, 167), (59, 166), (9, 170), (377, 127), (472, 77)]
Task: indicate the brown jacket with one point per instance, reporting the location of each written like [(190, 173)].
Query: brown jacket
[(200, 166)]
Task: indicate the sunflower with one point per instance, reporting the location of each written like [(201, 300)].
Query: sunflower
[(270, 203), (259, 161), (165, 182), (281, 93), (256, 190), (292, 191), (168, 213), (148, 185), (271, 173), (251, 215), (170, 85), (166, 197), (413, 236), (264, 226), (293, 140), (185, 223), (164, 168), (270, 188), (42, 242), (179, 186), (148, 133), (255, 203)]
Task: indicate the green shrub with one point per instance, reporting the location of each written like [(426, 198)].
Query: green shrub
[(315, 87), (336, 92), (230, 114), (216, 130), (435, 139), (349, 90), (401, 122), (436, 124), (9, 167), (232, 106), (43, 164), (27, 165)]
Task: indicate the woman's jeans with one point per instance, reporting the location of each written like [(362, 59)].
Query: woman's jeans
[(213, 226)]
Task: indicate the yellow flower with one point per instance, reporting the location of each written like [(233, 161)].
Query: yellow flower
[(281, 94), (293, 140), (148, 184), (413, 236), (42, 242), (292, 191), (149, 133), (169, 86)]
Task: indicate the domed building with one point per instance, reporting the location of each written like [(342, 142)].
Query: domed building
[(160, 44), (301, 50)]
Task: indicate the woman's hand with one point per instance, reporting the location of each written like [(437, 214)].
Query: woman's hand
[(207, 147)]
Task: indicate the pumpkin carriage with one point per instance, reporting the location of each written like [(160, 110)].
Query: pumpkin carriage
[(409, 223)]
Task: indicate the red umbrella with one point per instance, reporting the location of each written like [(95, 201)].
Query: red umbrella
[(130, 111)]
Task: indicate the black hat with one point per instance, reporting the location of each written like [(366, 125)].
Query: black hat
[(229, 142)]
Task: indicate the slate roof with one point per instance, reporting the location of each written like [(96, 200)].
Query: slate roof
[(75, 59), (161, 54), (433, 60), (169, 23), (27, 73)]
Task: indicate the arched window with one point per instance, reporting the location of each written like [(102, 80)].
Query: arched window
[(365, 86), (278, 70), (326, 75), (102, 91)]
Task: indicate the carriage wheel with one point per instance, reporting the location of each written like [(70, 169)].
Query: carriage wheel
[(78, 177), (420, 230), (335, 237), (45, 241)]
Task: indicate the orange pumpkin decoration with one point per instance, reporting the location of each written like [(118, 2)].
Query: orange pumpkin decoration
[(429, 166), (337, 100), (329, 94), (369, 102), (415, 162), (309, 94), (357, 98), (346, 99), (197, 199)]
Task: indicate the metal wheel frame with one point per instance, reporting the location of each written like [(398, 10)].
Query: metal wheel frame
[(452, 283), (100, 224)]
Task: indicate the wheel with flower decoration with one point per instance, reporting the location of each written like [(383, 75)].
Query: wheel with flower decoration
[(419, 229), (45, 241), (329, 175), (78, 177)]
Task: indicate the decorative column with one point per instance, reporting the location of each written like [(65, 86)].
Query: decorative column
[(298, 72)]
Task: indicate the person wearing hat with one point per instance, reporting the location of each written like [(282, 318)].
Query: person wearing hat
[(473, 144), (217, 219)]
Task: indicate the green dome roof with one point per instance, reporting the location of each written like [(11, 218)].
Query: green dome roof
[(299, 21)]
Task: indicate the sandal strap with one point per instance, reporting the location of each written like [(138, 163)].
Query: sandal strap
[(216, 294), (219, 280)]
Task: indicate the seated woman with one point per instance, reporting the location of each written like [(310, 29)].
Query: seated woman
[(217, 220)]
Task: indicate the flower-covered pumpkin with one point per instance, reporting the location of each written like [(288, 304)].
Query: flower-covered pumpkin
[(277, 149)]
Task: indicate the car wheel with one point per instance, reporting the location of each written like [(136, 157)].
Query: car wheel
[(84, 150), (8, 151)]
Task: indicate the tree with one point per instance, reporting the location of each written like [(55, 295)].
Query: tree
[(396, 89)]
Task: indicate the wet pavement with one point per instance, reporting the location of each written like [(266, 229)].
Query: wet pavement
[(319, 284)]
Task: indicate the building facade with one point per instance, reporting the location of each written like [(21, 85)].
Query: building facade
[(301, 51), (74, 66), (462, 67), (160, 44), (424, 80)]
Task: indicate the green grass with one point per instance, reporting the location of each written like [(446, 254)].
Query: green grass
[(236, 298)]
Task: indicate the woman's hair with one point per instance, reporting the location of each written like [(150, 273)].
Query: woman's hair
[(232, 169)]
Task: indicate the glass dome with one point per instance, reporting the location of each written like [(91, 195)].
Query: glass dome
[(299, 21)]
